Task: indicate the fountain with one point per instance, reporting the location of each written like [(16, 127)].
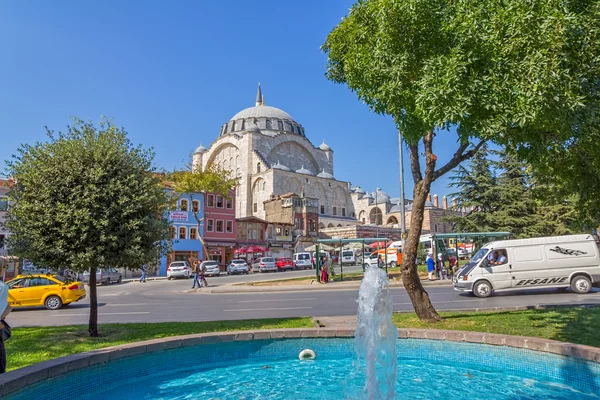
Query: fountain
[(376, 336)]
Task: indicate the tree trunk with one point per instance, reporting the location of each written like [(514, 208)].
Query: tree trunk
[(410, 276), (93, 325)]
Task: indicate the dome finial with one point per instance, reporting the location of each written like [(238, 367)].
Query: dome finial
[(259, 96)]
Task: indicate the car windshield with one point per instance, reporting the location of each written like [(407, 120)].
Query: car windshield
[(478, 256)]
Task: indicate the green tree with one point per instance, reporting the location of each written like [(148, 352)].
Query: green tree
[(192, 180), (476, 188), (519, 73), (86, 199)]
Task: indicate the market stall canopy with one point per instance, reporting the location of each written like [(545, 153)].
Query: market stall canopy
[(322, 246)]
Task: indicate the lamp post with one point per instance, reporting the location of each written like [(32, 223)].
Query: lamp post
[(402, 209)]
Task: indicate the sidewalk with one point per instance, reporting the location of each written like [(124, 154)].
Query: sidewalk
[(148, 278), (351, 285)]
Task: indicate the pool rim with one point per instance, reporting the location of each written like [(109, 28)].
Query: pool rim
[(20, 378)]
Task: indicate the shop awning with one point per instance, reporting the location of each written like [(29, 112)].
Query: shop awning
[(220, 244)]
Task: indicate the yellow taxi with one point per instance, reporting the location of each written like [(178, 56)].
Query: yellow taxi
[(50, 291)]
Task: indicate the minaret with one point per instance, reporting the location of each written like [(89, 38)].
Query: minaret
[(259, 97)]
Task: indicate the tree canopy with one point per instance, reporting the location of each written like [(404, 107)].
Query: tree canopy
[(523, 74), (86, 199)]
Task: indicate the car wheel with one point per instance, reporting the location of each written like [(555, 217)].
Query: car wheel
[(581, 284), (482, 289), (168, 277), (107, 282), (53, 303), (120, 279)]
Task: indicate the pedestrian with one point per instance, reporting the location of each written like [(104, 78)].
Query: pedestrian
[(324, 272), (430, 266), (4, 327), (202, 271), (453, 265), (442, 272), (144, 271), (196, 272)]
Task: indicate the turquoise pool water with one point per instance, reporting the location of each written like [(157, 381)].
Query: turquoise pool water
[(271, 370)]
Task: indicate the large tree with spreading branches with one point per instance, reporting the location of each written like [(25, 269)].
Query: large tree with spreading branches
[(524, 74), (86, 199)]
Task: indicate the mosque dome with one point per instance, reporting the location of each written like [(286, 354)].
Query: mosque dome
[(281, 167), (325, 175), (324, 146), (359, 190), (304, 171), (200, 149), (262, 111), (251, 127), (380, 196)]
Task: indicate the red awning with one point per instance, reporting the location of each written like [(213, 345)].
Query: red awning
[(256, 249), (379, 245)]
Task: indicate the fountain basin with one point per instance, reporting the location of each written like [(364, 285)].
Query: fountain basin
[(264, 364)]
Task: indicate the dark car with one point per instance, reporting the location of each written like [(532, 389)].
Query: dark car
[(284, 263)]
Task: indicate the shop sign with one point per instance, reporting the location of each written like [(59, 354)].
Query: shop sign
[(179, 216)]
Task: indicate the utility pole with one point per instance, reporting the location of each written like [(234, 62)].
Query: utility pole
[(402, 209)]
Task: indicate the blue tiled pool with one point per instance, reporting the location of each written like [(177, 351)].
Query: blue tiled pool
[(270, 369)]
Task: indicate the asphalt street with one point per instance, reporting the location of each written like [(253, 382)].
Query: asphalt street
[(171, 301)]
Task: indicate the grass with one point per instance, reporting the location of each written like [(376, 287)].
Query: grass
[(575, 325), (36, 344)]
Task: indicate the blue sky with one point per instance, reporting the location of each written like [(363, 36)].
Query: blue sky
[(172, 73)]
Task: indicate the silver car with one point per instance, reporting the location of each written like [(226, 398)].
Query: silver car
[(211, 268), (104, 276), (264, 264), (179, 269), (237, 266)]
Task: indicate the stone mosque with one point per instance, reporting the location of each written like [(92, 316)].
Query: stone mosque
[(269, 152)]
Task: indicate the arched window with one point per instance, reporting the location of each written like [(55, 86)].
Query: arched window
[(183, 205), (264, 186), (258, 167), (193, 233), (172, 232), (195, 206), (182, 232)]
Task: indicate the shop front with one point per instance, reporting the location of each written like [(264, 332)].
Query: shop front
[(251, 253), (221, 252)]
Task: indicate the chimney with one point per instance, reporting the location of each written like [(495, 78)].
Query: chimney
[(436, 203), (454, 204), (429, 197), (445, 199)]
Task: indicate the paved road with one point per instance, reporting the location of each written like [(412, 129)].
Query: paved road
[(164, 300)]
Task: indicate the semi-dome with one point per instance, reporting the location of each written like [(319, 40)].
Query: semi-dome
[(200, 149), (325, 175), (395, 208), (262, 111), (324, 146), (281, 167), (359, 190), (304, 171)]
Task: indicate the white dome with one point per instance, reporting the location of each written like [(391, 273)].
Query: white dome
[(200, 149), (325, 175), (262, 111), (304, 171), (281, 167), (359, 190), (382, 197), (252, 128), (324, 146)]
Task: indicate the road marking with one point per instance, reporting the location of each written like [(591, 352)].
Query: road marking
[(119, 305), (101, 314), (255, 301), (268, 309)]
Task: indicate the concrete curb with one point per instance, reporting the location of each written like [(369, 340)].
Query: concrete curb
[(244, 288), (18, 379)]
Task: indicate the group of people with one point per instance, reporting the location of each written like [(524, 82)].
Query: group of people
[(439, 267), (326, 269), (198, 269)]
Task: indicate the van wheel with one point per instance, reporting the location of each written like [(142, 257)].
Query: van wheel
[(482, 289), (581, 284)]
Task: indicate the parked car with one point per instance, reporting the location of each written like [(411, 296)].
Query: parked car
[(264, 264), (348, 257), (464, 254), (50, 291), (179, 269), (303, 261), (211, 268), (104, 276), (237, 266), (284, 263)]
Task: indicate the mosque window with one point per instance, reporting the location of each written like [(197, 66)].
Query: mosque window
[(343, 211), (322, 209), (334, 210), (233, 127), (255, 207), (264, 186), (280, 125), (269, 124), (258, 167)]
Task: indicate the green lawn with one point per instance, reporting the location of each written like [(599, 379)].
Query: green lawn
[(33, 345), (575, 325)]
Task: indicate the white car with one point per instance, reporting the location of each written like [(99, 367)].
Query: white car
[(237, 266), (264, 264), (179, 269), (211, 268), (302, 260)]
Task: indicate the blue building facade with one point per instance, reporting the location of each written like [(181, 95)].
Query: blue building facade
[(184, 232)]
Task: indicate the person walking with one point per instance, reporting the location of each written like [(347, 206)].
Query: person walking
[(196, 273), (144, 271), (430, 266), (201, 272)]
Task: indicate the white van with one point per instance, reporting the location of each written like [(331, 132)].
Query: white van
[(348, 257), (302, 260), (554, 262)]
